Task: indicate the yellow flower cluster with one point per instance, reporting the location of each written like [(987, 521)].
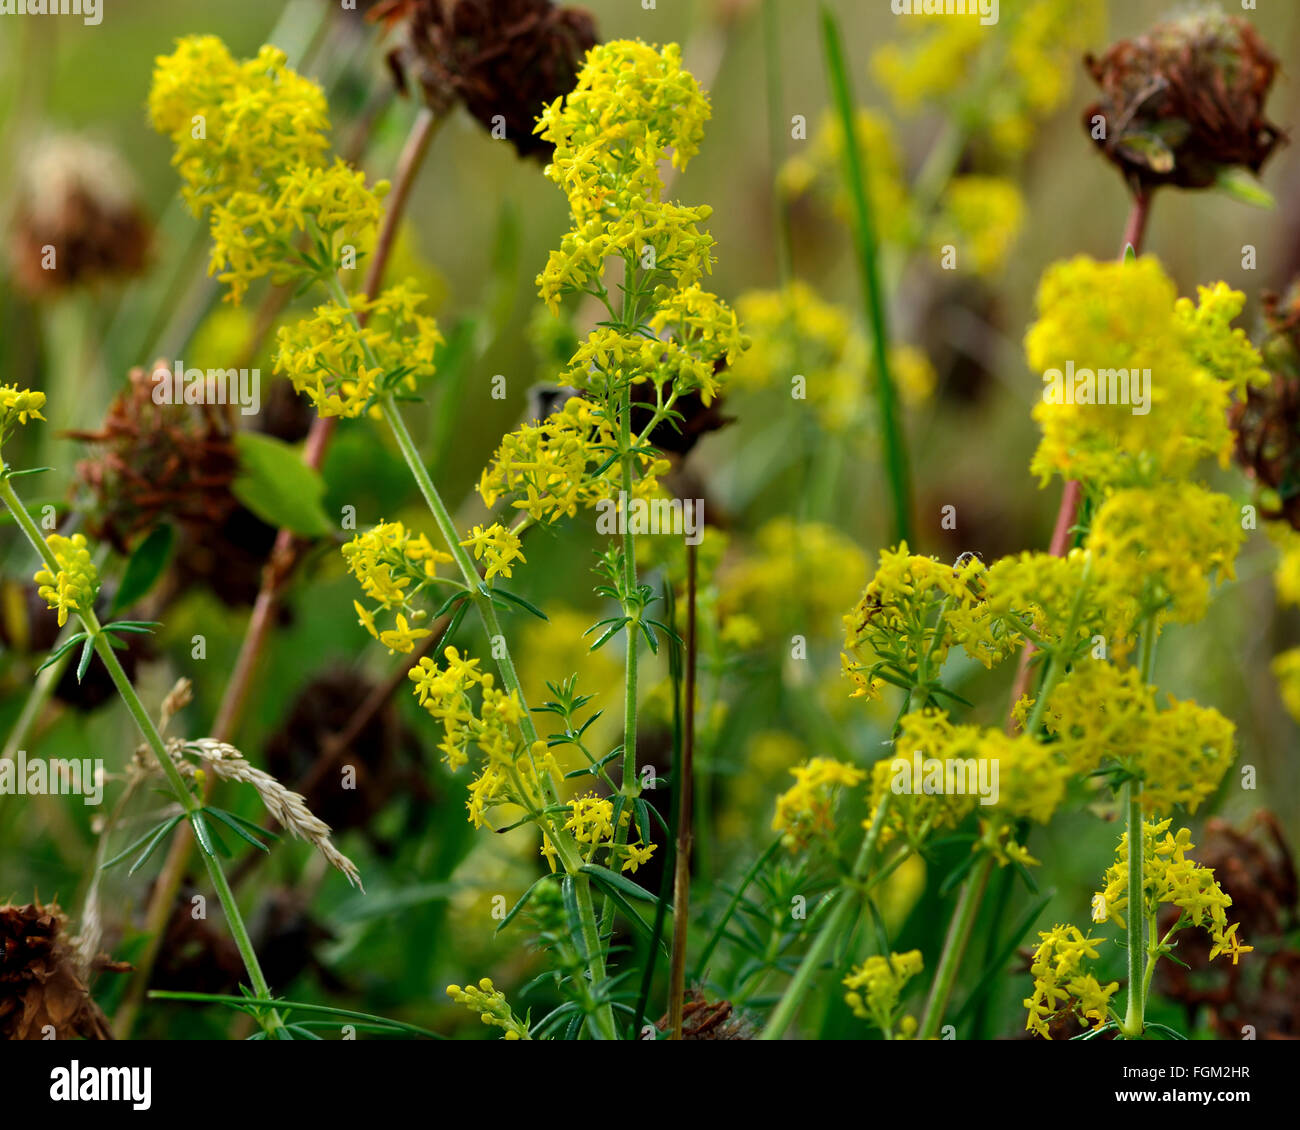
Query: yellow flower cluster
[(1286, 578), (74, 587), (1024, 779), (907, 619), (590, 820), (1157, 551), (17, 406), (1060, 979), (1286, 670), (704, 332), (1032, 596), (634, 106), (631, 106), (251, 146), (236, 126), (981, 217), (1031, 53), (393, 565), (491, 1005), (806, 810), (1181, 753), (513, 771), (500, 546), (1107, 317), (549, 468), (342, 367), (875, 988), (1171, 878), (793, 333), (256, 234)]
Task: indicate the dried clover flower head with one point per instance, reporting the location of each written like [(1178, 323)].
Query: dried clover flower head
[(505, 60), (154, 462), (42, 983), (75, 586), (77, 197), (1185, 102), (1267, 421)]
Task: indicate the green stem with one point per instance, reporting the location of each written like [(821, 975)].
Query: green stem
[(1134, 1016), (563, 843), (846, 905), (954, 947), (896, 463), (776, 137), (155, 742), (631, 784)]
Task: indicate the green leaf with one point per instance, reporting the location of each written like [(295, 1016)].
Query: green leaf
[(276, 485), (234, 827), (201, 833), (997, 967), (523, 901), (519, 600), (146, 565), (615, 886), (1244, 188), (158, 837), (62, 650), (607, 878), (151, 833), (83, 664)]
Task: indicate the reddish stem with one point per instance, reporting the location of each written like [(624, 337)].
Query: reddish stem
[(283, 558), (1067, 513)]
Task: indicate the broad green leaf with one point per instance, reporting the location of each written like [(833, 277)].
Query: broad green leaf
[(146, 565), (276, 485)]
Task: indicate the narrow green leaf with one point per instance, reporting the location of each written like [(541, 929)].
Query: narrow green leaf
[(158, 837), (523, 901), (234, 827), (519, 600)]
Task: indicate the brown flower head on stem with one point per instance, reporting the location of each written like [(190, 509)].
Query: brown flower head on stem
[(1184, 103), (43, 991), (1267, 421), (504, 59), (158, 461), (76, 219)]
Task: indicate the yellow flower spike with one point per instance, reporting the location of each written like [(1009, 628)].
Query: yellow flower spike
[(75, 586), (876, 987), (492, 1008)]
